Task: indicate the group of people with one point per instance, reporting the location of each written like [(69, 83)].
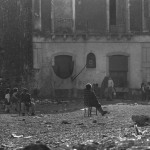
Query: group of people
[(19, 102), (145, 89)]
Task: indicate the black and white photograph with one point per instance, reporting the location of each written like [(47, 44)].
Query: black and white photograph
[(74, 74)]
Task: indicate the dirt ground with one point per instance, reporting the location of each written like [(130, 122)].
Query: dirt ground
[(64, 126)]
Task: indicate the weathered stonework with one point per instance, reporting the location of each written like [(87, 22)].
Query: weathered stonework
[(66, 28), (101, 48)]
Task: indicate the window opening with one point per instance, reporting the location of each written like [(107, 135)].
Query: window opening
[(112, 12), (91, 61), (118, 69)]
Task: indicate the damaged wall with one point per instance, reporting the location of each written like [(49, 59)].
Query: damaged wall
[(79, 50)]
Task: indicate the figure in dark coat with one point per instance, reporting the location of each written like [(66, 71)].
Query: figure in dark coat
[(26, 103), (104, 86), (90, 99), (15, 99)]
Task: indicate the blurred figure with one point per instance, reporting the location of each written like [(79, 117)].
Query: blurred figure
[(95, 88), (36, 147), (15, 99), (143, 91), (7, 100), (110, 89), (148, 91), (104, 86), (26, 104)]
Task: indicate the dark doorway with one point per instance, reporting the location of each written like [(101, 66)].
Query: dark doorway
[(118, 69)]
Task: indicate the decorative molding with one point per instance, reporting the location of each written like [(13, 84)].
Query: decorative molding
[(63, 53)]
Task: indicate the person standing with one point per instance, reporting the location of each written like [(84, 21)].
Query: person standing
[(110, 89), (15, 99), (104, 87), (26, 103), (7, 100)]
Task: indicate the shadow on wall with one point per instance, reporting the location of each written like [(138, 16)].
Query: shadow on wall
[(47, 89)]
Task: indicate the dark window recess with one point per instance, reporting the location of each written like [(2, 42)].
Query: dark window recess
[(46, 15), (118, 63), (147, 15), (90, 16), (118, 69), (112, 12), (119, 78), (63, 66), (91, 61), (136, 15)]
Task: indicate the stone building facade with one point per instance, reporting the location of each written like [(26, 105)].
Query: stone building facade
[(81, 41)]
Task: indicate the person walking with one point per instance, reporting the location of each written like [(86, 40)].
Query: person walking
[(90, 99)]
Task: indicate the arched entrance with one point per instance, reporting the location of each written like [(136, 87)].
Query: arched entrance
[(63, 66)]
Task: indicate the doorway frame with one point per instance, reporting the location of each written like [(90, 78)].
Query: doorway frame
[(118, 53)]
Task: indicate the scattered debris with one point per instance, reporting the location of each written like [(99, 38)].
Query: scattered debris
[(141, 120), (28, 137), (114, 132), (16, 136), (94, 121), (80, 124), (65, 122)]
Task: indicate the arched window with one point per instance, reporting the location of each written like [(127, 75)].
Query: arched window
[(91, 61)]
